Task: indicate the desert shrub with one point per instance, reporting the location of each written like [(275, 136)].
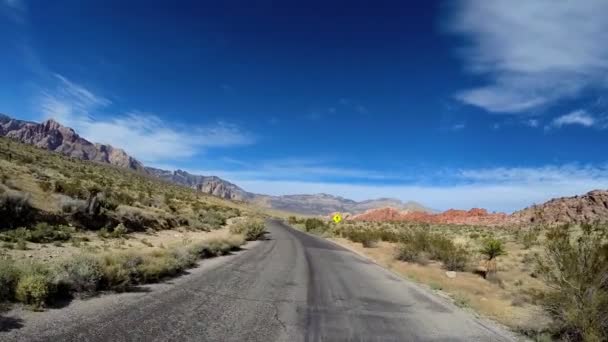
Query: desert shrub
[(120, 270), (576, 269), (528, 238), (81, 274), (217, 246), (32, 289), (15, 209), (315, 225), (157, 265), (120, 231), (21, 245), (407, 252), (136, 219), (108, 202), (389, 235), (367, 237), (119, 197), (455, 259), (251, 229), (71, 205), (45, 185), (420, 243), (9, 275), (34, 285), (44, 233), (213, 219), (71, 189), (292, 220), (41, 233)]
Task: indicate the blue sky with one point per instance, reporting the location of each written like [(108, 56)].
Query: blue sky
[(454, 104)]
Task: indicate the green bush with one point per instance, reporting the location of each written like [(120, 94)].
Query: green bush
[(32, 289), (81, 274), (528, 238), (213, 219), (315, 224), (15, 209), (71, 189), (120, 270), (455, 259), (367, 237), (251, 229), (9, 275), (407, 252), (120, 231), (576, 270), (41, 233), (434, 246)]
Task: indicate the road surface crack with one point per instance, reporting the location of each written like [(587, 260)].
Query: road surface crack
[(276, 317)]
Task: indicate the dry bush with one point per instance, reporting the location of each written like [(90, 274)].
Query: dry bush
[(576, 269), (15, 209), (251, 229)]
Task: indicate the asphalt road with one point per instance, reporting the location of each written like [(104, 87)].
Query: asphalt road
[(290, 287)]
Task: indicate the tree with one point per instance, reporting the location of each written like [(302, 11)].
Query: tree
[(491, 249)]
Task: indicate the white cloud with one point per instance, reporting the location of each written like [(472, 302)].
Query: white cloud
[(578, 117), (532, 122), (533, 52), (143, 135)]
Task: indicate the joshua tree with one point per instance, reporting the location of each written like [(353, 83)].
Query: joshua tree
[(491, 249)]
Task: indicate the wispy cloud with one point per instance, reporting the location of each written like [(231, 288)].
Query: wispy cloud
[(533, 52), (300, 169), (143, 135), (578, 117), (532, 123), (14, 9)]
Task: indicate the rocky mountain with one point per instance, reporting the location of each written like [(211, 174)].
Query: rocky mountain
[(323, 204), (52, 136), (474, 216), (208, 184), (590, 207)]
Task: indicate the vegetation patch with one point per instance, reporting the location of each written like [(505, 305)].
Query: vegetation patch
[(251, 229)]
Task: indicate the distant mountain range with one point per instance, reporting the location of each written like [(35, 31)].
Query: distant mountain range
[(55, 137)]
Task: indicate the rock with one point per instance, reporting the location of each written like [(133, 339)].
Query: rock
[(588, 208), (450, 274)]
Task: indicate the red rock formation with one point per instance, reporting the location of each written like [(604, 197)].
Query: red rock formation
[(474, 216)]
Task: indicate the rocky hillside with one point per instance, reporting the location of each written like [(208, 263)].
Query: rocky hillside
[(208, 184), (51, 135), (474, 216), (590, 207)]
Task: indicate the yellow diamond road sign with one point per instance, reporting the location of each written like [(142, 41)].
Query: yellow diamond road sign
[(337, 218)]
